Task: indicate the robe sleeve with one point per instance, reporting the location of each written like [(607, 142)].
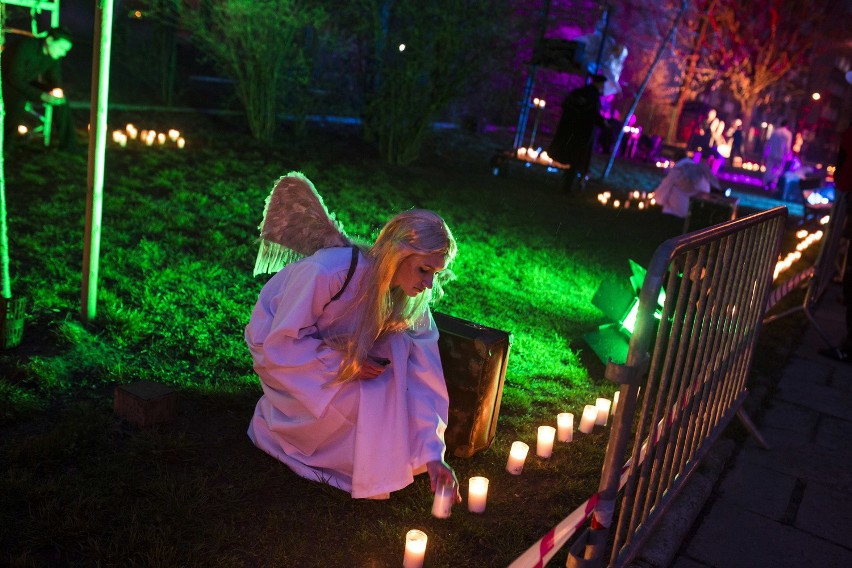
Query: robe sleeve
[(288, 352), (428, 401)]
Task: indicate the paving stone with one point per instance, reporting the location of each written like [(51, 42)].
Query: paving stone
[(778, 437), (789, 416), (684, 562), (730, 537), (809, 462), (842, 378), (805, 370), (757, 489), (826, 513), (834, 434), (824, 399)]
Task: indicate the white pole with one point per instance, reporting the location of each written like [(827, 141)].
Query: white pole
[(97, 147), (642, 88)]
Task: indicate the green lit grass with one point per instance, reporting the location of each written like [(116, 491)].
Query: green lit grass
[(177, 250)]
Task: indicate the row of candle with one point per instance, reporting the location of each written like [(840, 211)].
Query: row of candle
[(642, 199), (806, 239), (147, 137), (593, 414), (477, 495), (534, 155)]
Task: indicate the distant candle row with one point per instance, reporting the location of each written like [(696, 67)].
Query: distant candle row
[(595, 414), (147, 137)]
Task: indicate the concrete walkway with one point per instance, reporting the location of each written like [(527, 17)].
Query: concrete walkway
[(791, 505)]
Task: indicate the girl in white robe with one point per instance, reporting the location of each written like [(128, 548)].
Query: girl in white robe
[(340, 407)]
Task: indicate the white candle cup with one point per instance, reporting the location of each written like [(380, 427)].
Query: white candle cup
[(544, 446), (477, 494), (615, 401), (173, 135), (565, 427), (603, 405), (517, 457), (415, 549), (58, 93), (587, 422), (442, 504), (181, 142), (161, 138)]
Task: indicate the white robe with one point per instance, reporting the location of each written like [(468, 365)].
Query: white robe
[(683, 181), (367, 437)]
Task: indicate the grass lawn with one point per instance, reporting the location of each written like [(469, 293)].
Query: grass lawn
[(81, 487)]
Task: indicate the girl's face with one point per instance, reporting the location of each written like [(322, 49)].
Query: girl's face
[(417, 272)]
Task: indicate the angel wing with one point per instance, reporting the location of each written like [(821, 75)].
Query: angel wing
[(296, 224)]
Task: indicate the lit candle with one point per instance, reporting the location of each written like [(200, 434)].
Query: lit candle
[(22, 129), (587, 422), (615, 401), (122, 140), (181, 142), (522, 152), (131, 131), (415, 549), (58, 93), (603, 405), (476, 494), (565, 426), (161, 138), (517, 456), (544, 447), (173, 135), (445, 494)]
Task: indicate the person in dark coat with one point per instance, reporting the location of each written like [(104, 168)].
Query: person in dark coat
[(572, 143), (31, 70)]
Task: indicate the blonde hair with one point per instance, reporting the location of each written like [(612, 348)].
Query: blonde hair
[(381, 310)]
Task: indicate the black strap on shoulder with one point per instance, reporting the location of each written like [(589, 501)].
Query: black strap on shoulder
[(352, 266)]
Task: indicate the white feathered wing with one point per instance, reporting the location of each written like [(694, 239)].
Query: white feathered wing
[(296, 224)]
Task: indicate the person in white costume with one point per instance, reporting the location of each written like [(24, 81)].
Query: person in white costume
[(346, 348), (685, 179)]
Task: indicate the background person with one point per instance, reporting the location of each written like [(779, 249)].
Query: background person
[(354, 392), (31, 69), (685, 179), (776, 153), (573, 140)]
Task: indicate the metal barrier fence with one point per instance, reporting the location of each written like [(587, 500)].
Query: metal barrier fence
[(821, 273), (716, 286)]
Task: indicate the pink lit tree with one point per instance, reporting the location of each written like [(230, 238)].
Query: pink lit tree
[(759, 43)]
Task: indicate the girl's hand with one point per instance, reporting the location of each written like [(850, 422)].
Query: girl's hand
[(440, 472), (370, 369)]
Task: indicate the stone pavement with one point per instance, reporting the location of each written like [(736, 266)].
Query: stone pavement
[(791, 505)]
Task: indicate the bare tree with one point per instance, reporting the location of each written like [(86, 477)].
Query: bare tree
[(760, 42)]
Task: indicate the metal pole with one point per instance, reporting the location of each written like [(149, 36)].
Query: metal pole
[(642, 88), (97, 148), (603, 42), (4, 239)]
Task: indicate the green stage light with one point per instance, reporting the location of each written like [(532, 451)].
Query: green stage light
[(619, 301)]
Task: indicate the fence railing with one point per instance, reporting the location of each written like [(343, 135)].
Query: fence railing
[(819, 275), (716, 284)]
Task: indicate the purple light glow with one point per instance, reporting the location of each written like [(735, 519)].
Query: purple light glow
[(742, 179)]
